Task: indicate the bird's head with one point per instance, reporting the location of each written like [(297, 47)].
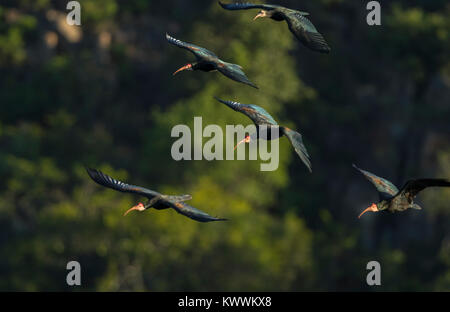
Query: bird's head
[(262, 13), (185, 67), (247, 139), (373, 208), (138, 207)]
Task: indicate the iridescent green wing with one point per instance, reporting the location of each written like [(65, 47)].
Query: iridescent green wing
[(262, 112), (191, 212), (106, 181), (384, 187), (305, 31), (296, 140), (413, 187), (199, 52), (257, 114), (234, 72)]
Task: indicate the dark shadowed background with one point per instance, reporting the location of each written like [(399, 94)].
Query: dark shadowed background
[(102, 95)]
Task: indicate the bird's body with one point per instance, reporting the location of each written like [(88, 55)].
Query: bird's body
[(394, 200), (207, 61), (298, 24), (155, 199), (265, 125)]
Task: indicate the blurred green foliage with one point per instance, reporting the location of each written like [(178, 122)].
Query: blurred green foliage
[(102, 95)]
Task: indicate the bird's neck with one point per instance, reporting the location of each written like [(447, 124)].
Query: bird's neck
[(383, 205), (276, 16)]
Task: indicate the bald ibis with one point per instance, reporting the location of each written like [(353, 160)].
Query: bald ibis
[(394, 200), (260, 118), (298, 24), (207, 61), (155, 199)]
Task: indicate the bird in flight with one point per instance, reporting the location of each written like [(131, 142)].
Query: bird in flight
[(298, 24), (265, 123), (207, 61), (394, 200), (155, 199)]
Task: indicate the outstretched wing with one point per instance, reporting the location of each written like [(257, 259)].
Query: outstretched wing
[(117, 185), (191, 212), (385, 188), (261, 112), (297, 142), (247, 6), (178, 198), (306, 32), (257, 114), (199, 52), (234, 72), (413, 187)]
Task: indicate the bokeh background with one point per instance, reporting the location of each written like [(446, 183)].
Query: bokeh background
[(102, 95)]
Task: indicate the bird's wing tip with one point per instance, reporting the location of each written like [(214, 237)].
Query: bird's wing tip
[(93, 173), (220, 100), (90, 170)]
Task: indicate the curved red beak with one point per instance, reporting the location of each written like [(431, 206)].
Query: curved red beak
[(138, 207), (185, 67), (246, 140), (372, 208), (260, 14)]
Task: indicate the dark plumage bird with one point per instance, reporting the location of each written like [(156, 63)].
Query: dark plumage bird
[(207, 61), (265, 123), (155, 199), (298, 24), (393, 199)]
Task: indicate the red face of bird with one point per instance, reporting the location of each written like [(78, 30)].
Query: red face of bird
[(261, 13), (185, 67), (138, 207), (372, 208), (245, 140)]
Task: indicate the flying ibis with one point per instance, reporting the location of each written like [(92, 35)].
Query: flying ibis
[(155, 199), (394, 200), (207, 61), (265, 123), (298, 24)]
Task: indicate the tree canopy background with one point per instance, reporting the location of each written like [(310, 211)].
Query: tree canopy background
[(102, 95)]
